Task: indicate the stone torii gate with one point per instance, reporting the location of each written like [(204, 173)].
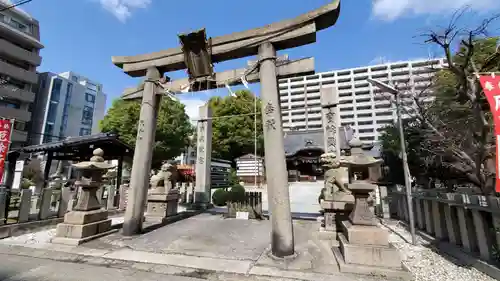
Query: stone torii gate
[(197, 54)]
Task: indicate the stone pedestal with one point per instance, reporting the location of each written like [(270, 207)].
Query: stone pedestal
[(162, 205), (334, 212), (82, 226), (364, 247), (88, 220)]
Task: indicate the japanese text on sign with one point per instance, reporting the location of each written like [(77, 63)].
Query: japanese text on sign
[(491, 88), (330, 129), (271, 124), (269, 109)]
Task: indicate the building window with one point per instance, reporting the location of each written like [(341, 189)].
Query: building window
[(18, 25), (67, 101), (56, 90), (87, 115), (84, 132), (74, 78), (49, 131), (89, 98), (10, 103), (51, 115)]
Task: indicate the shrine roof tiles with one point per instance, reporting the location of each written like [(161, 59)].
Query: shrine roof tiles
[(313, 139), (109, 142)]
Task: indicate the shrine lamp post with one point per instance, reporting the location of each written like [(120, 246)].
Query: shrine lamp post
[(390, 89)]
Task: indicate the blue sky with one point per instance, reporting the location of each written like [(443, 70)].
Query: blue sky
[(82, 35)]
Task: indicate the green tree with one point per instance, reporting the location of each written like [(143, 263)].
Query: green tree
[(233, 135), (451, 138), (172, 131)]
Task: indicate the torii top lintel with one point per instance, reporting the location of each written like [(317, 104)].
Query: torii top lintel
[(284, 35)]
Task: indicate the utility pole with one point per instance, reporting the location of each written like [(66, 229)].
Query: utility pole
[(406, 169)]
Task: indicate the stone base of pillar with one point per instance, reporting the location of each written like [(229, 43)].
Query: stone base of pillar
[(162, 205), (82, 226), (366, 250)]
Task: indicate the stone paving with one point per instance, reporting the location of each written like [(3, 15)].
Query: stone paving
[(19, 268), (210, 247), (204, 242)]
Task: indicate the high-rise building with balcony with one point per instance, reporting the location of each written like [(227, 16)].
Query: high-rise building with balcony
[(362, 106), (67, 105), (19, 58)]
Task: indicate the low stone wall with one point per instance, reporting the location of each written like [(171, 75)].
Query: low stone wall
[(470, 222), (28, 211)]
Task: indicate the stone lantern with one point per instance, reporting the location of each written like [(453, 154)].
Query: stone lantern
[(88, 220), (362, 242)]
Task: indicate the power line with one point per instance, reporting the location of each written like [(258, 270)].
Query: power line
[(22, 2)]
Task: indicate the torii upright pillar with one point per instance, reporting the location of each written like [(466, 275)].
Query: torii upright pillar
[(282, 242), (144, 144)]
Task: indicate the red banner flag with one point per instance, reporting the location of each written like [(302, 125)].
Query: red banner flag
[(5, 134), (491, 88)]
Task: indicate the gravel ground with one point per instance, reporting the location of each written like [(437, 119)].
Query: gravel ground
[(427, 265)]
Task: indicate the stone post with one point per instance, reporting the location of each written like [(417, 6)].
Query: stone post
[(452, 225), (139, 179), (111, 197), (25, 206), (420, 217), (88, 220), (429, 221), (440, 230), (45, 211), (331, 123), (282, 241), (467, 232), (64, 201), (384, 204), (3, 203), (331, 120), (124, 191), (482, 237), (203, 158)]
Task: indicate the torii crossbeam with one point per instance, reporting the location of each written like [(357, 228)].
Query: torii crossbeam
[(198, 54), (230, 77)]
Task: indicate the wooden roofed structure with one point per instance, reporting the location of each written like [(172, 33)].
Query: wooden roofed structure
[(75, 149)]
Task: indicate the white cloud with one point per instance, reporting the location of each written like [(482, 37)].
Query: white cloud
[(379, 60), (122, 9), (392, 9), (192, 107)]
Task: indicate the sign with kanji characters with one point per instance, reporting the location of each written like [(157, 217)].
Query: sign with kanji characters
[(491, 88), (5, 133)]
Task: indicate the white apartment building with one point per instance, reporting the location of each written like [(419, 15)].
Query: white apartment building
[(19, 57), (362, 106), (68, 104)]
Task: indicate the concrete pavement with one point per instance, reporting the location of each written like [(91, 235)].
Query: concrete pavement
[(204, 246), (19, 268)]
